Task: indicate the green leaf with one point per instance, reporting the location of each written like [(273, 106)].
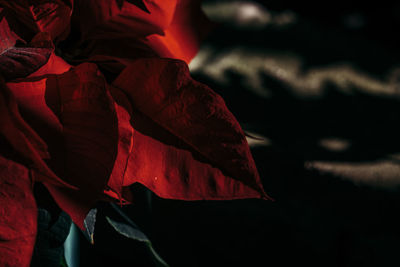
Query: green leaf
[(89, 224), (130, 230)]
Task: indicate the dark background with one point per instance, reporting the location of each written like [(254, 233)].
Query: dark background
[(319, 83)]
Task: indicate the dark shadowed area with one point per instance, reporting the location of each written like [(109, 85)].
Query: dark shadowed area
[(318, 91)]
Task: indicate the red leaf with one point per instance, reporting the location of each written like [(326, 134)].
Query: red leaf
[(108, 19), (208, 158), (7, 36), (23, 138), (52, 17), (99, 146), (18, 214), (19, 62), (121, 33), (75, 115), (16, 130), (172, 169), (20, 11), (181, 40)]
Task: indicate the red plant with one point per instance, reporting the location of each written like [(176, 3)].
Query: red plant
[(88, 138)]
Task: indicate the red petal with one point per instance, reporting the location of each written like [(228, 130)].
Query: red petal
[(184, 135), (88, 150), (15, 129), (7, 36), (19, 62), (172, 29), (18, 214), (23, 138), (218, 164), (37, 16), (171, 169), (20, 13), (75, 116), (181, 40), (52, 17), (107, 19)]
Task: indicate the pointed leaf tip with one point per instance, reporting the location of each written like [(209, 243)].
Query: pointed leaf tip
[(89, 224)]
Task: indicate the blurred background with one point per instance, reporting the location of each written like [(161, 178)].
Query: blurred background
[(316, 85)]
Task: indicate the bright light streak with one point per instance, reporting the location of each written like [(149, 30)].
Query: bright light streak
[(255, 140), (382, 174), (287, 68), (247, 14), (334, 144)]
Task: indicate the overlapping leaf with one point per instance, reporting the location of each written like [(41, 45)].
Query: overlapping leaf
[(120, 31), (75, 116), (110, 19), (187, 145), (23, 139), (154, 125), (181, 40), (18, 62), (52, 17), (21, 61), (7, 36)]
